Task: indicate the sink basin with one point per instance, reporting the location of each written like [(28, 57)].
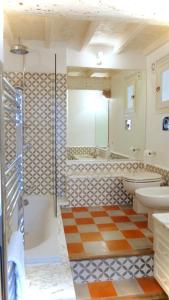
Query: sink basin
[(154, 197)]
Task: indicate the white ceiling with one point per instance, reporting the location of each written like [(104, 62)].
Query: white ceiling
[(154, 11), (122, 25)]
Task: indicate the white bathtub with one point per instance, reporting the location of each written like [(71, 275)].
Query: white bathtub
[(40, 230)]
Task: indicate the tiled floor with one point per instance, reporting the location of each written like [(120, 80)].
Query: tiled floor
[(105, 231), (133, 289)]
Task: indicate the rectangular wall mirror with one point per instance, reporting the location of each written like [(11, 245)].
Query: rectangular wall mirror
[(87, 118), (96, 122)]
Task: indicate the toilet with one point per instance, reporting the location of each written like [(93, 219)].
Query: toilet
[(137, 180)]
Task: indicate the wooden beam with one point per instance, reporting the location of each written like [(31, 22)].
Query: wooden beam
[(129, 38), (157, 44), (89, 34), (8, 34)]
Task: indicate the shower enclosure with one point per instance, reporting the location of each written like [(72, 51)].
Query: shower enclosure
[(11, 180)]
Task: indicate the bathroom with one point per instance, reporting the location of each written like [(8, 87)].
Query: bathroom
[(84, 150)]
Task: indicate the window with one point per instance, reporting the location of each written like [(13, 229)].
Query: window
[(130, 93), (162, 84)]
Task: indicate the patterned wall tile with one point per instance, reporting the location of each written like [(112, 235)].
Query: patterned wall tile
[(71, 151), (162, 171), (98, 190), (61, 132), (112, 268), (81, 167), (38, 131)]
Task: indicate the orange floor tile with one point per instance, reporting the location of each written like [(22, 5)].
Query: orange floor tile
[(101, 289), (149, 285), (128, 289), (75, 248), (91, 236), (93, 232), (131, 234), (118, 245)]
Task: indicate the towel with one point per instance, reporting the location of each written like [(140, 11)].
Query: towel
[(16, 255)]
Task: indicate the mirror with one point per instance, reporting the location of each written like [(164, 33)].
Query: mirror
[(87, 118), (109, 127)]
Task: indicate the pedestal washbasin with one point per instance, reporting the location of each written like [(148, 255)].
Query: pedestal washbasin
[(154, 199)]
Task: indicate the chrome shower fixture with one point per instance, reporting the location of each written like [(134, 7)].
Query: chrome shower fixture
[(19, 49)]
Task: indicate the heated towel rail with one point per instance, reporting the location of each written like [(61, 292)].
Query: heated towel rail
[(11, 141)]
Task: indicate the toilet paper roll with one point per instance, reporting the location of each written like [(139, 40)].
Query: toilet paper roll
[(148, 152)]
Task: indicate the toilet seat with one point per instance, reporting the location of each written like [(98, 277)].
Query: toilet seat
[(134, 181), (143, 181), (143, 177)]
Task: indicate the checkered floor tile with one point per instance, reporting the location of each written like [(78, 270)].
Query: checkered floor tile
[(133, 289), (105, 231)]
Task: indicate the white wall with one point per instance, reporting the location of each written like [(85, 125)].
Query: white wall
[(82, 107), (120, 139), (87, 58), (156, 139), (39, 59)]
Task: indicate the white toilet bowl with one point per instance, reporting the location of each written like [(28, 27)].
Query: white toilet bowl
[(155, 199), (138, 180)]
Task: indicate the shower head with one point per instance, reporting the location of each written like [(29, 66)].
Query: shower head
[(19, 49)]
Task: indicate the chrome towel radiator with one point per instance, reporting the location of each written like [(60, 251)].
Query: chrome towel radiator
[(11, 184)]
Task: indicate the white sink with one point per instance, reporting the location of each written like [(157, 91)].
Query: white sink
[(154, 197)]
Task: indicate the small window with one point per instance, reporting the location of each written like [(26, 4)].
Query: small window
[(162, 84), (165, 86), (128, 124), (130, 96)]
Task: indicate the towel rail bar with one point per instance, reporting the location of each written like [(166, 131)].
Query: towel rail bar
[(10, 119), (10, 110), (10, 167), (11, 181), (14, 204), (7, 96), (12, 177), (13, 188), (9, 86), (10, 204)]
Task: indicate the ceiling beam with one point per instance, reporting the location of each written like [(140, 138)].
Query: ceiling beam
[(89, 34), (157, 44), (88, 73), (129, 38), (8, 34)]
